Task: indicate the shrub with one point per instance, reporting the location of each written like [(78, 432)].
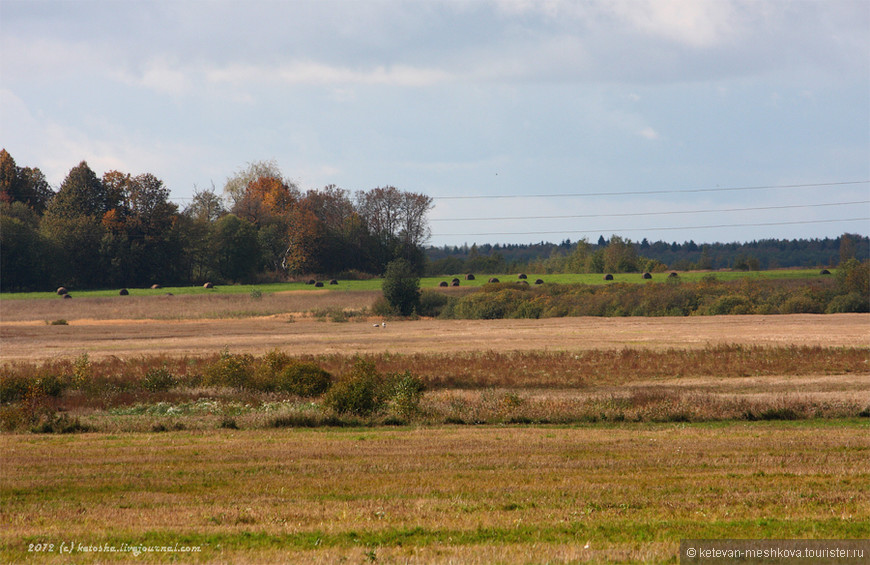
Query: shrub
[(432, 303), (401, 287), (365, 391), (303, 379), (730, 304), (358, 393), (230, 370), (405, 392), (800, 304), (852, 302), (13, 387), (158, 379)]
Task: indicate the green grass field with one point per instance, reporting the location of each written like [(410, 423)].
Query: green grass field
[(428, 282)]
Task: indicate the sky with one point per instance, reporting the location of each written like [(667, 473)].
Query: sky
[(526, 121)]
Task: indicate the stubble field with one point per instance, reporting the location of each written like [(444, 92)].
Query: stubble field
[(606, 491)]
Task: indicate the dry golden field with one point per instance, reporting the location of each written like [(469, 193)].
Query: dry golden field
[(199, 325), (600, 492)]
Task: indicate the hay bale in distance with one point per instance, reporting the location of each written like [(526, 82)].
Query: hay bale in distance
[(455, 280), (539, 281), (493, 280), (825, 272), (61, 291), (155, 286), (318, 284), (123, 292), (67, 296), (647, 276), (208, 285), (673, 275), (469, 277), (311, 281), (443, 283), (522, 276), (454, 283), (333, 281), (608, 277)]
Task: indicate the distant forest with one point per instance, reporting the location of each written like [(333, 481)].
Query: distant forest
[(121, 230), (621, 255)]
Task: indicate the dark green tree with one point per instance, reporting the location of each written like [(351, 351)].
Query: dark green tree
[(81, 194), (401, 287), (237, 251)]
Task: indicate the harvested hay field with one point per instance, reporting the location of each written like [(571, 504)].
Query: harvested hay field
[(475, 495), (297, 335)]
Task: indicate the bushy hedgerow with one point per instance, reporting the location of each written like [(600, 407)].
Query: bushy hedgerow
[(673, 298)]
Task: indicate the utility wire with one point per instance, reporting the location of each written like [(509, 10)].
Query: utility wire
[(649, 192), (504, 218), (615, 230)]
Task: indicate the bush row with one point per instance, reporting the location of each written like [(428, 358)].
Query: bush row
[(672, 298)]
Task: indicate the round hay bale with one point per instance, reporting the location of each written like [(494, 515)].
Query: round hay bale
[(539, 281), (469, 277), (493, 280), (673, 275), (647, 276), (61, 291), (333, 281), (454, 283), (67, 296), (123, 292), (318, 284), (208, 285), (825, 272), (522, 276), (608, 277), (155, 286), (443, 283), (311, 281)]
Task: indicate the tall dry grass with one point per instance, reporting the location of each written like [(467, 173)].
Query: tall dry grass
[(715, 383)]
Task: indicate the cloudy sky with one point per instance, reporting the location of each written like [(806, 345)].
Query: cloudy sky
[(565, 119)]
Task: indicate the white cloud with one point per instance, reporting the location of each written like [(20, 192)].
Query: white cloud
[(159, 76), (321, 74), (695, 23), (649, 133)]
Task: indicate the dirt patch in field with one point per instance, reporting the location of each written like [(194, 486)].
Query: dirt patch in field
[(28, 341)]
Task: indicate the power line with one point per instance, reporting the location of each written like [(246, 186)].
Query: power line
[(667, 228), (650, 192), (792, 206)]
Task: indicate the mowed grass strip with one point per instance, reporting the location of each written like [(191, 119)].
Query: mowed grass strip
[(425, 282), (435, 493)]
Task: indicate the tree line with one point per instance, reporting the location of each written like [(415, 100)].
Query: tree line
[(618, 255), (121, 230)]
